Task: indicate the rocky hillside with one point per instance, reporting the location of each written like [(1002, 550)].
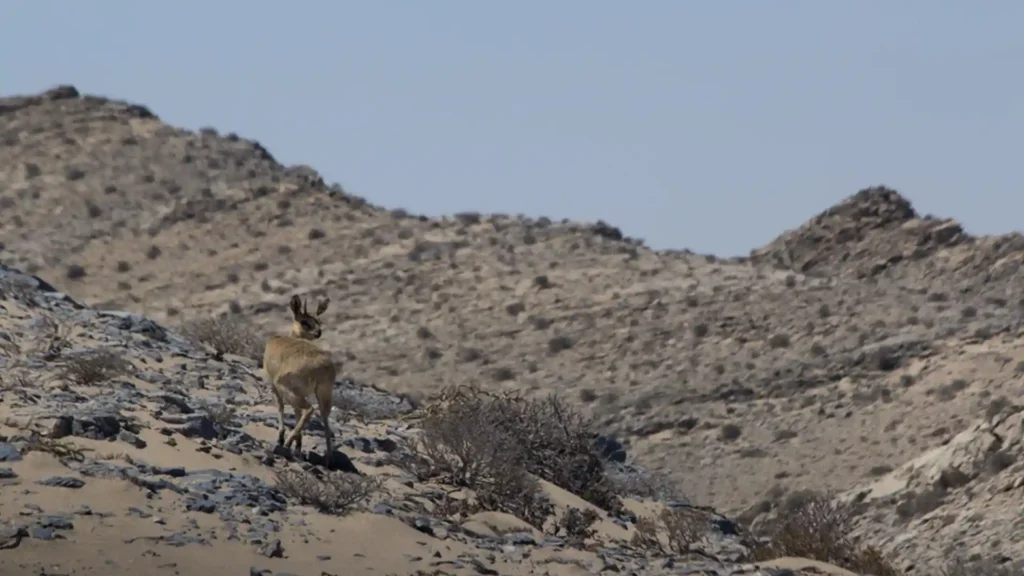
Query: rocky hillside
[(125, 448), (837, 353)]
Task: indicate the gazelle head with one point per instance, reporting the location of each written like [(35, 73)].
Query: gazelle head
[(306, 325)]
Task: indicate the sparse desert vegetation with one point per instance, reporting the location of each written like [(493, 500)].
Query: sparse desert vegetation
[(225, 335)]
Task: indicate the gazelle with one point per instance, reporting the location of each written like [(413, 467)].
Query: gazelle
[(297, 369)]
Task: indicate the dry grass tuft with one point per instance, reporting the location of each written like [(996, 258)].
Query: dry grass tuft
[(52, 340), (15, 378), (960, 567), (8, 347), (60, 449), (93, 367)]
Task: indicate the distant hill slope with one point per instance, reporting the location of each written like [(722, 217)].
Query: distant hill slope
[(824, 357)]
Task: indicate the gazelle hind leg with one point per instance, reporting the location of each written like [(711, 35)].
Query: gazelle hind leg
[(324, 400), (280, 416), (303, 410)]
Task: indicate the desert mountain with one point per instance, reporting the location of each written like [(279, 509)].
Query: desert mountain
[(832, 359)]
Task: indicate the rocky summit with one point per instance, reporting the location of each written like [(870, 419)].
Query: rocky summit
[(515, 395)]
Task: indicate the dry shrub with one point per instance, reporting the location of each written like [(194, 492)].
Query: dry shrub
[(511, 490), (637, 482), (515, 492), (645, 536), (492, 444), (228, 334), (222, 414), (684, 529), (576, 526), (335, 492), (463, 444), (93, 367), (819, 527), (60, 449), (559, 443)]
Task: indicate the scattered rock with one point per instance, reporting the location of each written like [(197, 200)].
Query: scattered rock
[(63, 482), (129, 438), (11, 536), (8, 453), (272, 549)]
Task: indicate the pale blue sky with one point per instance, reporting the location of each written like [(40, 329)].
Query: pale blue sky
[(704, 125)]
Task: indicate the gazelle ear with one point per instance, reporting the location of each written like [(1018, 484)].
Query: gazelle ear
[(322, 306), (296, 305)]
